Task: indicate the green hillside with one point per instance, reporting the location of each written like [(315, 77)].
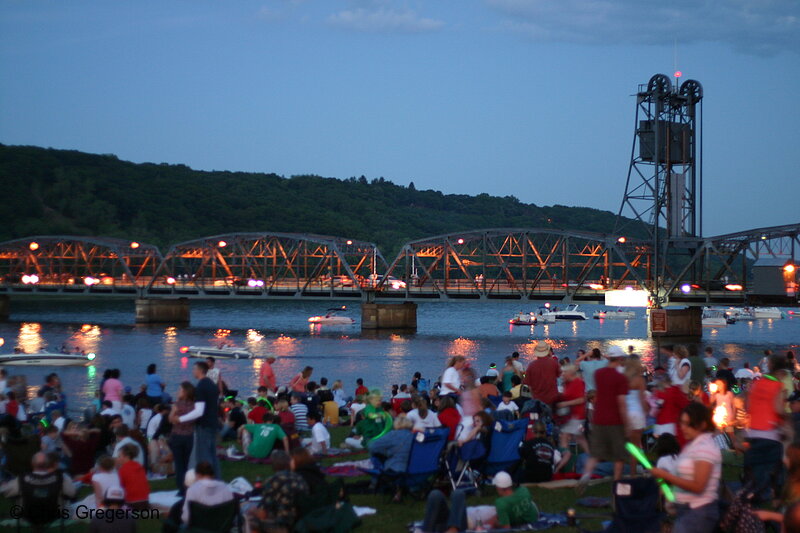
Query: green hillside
[(47, 191)]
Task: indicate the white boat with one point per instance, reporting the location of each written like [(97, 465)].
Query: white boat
[(523, 319), (740, 313), (331, 318), (619, 314), (568, 313), (47, 359), (715, 318), (226, 352), (767, 312)]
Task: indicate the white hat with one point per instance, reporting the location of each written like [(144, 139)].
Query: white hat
[(502, 480), (542, 349), (615, 351), (114, 494)]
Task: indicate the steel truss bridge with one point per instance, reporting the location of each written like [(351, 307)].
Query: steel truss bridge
[(502, 263)]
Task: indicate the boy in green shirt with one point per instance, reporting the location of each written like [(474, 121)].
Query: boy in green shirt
[(258, 440), (514, 507)]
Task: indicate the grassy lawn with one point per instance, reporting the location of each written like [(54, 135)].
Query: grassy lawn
[(391, 517)]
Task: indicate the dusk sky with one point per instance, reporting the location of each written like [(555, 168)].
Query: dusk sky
[(530, 98)]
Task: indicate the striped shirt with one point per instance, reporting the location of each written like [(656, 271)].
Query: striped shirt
[(300, 416)]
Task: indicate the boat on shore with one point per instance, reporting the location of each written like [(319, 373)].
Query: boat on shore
[(523, 319), (225, 352), (619, 314), (45, 358)]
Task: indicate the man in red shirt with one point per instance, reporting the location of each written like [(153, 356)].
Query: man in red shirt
[(267, 374), (542, 374), (610, 423), (361, 390), (258, 408)]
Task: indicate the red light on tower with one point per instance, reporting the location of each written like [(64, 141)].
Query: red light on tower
[(678, 73)]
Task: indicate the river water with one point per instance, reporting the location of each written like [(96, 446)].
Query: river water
[(479, 331)]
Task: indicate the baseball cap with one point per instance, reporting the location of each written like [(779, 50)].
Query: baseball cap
[(615, 351), (502, 480), (115, 494)]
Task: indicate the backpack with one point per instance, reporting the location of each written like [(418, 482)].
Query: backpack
[(740, 517)]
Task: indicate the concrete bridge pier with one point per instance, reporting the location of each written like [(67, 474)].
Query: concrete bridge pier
[(5, 307), (162, 310), (389, 316)]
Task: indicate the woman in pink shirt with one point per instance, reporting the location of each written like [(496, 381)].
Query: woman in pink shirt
[(113, 390), (299, 382)]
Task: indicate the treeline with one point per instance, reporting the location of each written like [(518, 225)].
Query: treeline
[(47, 191)]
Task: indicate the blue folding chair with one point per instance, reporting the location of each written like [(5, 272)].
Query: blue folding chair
[(424, 462), (504, 447), (461, 465)]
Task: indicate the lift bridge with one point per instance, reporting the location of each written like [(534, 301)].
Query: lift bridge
[(672, 260)]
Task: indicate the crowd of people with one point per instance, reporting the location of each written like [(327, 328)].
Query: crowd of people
[(685, 407)]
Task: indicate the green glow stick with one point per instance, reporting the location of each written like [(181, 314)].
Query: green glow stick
[(645, 462)]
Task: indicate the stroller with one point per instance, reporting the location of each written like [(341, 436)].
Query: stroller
[(461, 461)]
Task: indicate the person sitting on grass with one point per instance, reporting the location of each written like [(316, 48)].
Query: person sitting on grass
[(282, 492), (205, 490), (133, 478), (320, 441), (258, 440), (513, 508), (374, 422), (113, 499), (300, 411), (104, 477)]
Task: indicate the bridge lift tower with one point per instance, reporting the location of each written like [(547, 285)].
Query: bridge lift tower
[(664, 187)]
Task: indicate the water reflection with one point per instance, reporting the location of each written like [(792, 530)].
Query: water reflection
[(88, 338), (169, 342), (30, 338), (463, 347)]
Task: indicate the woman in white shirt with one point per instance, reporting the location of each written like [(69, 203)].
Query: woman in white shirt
[(680, 368), (451, 379), (699, 468), (422, 417)]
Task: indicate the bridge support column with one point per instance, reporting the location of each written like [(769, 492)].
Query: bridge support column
[(5, 307), (681, 324), (389, 316), (166, 310)]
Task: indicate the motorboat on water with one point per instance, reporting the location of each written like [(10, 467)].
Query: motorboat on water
[(331, 318), (223, 352), (715, 318), (45, 358), (619, 314), (570, 312), (754, 313), (523, 319)]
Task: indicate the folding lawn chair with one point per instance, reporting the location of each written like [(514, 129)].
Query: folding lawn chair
[(460, 461), (636, 506), (424, 461), (504, 446)]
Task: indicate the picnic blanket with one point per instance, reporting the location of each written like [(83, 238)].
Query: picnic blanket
[(348, 468), (222, 454)]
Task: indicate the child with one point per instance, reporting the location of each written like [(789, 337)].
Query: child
[(300, 412), (133, 478), (104, 478), (508, 405), (320, 441), (539, 456), (355, 407), (667, 450)]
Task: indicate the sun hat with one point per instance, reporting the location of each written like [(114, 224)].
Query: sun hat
[(502, 480), (542, 349), (615, 351)]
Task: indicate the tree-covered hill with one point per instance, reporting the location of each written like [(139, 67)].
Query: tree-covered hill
[(47, 191)]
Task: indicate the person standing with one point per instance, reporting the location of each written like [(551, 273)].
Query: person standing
[(299, 382), (451, 379), (542, 374), (181, 438), (205, 416), (636, 402), (699, 468), (709, 359), (154, 384), (574, 399), (766, 409), (610, 425), (680, 368), (113, 389), (266, 376), (519, 368), (591, 365)]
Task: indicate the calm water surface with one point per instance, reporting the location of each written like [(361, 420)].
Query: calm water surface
[(479, 331)]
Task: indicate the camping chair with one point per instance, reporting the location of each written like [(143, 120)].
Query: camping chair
[(423, 462), (504, 446), (41, 500), (636, 506), (465, 477), (213, 518)]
